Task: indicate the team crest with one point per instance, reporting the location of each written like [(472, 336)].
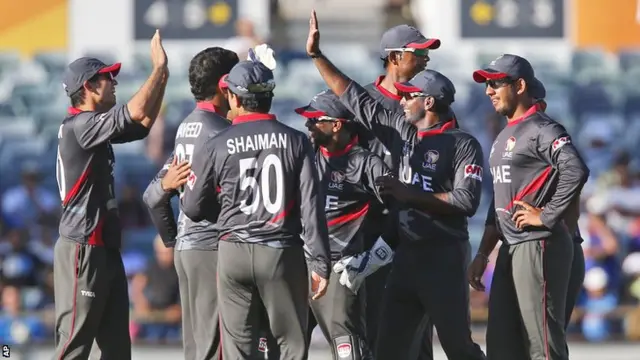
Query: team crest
[(508, 148), (430, 159), (337, 177)]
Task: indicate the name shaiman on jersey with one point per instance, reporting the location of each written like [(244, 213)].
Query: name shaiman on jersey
[(256, 142)]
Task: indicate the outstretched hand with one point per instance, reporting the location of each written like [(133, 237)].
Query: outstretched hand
[(313, 41)]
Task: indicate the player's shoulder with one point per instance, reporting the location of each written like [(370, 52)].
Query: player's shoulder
[(542, 123), (464, 137), (362, 155)]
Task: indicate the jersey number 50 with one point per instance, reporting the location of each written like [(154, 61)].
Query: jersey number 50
[(261, 190)]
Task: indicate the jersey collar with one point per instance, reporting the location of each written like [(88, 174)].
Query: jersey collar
[(384, 91), (345, 150), (74, 111), (207, 106), (438, 128), (252, 117), (532, 110)]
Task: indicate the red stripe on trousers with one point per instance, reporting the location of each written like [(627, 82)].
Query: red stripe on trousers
[(75, 298), (544, 304)]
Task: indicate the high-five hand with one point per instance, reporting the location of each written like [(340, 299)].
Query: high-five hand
[(158, 55), (313, 41)]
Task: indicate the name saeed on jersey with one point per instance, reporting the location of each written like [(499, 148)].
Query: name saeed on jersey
[(257, 142), (189, 130)]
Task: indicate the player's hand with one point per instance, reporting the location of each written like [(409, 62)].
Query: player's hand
[(313, 41), (475, 272), (176, 175), (355, 269), (527, 216), (391, 186), (318, 285), (158, 55)]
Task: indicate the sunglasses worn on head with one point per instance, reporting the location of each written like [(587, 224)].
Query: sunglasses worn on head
[(416, 52), (322, 119)]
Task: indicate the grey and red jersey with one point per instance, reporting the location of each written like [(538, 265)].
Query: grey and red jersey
[(443, 159), (348, 179), (391, 102), (84, 170), (268, 185), (191, 136), (534, 160)]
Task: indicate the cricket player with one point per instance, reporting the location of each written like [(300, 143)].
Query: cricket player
[(196, 244), (268, 189), (439, 187), (92, 300), (532, 162), (404, 52), (491, 237), (347, 176)]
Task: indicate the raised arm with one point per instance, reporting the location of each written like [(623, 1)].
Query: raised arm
[(133, 120), (367, 111)]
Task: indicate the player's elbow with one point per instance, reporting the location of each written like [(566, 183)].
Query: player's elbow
[(467, 203), (193, 212), (136, 112)]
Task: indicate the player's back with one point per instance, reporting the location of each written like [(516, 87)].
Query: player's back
[(257, 166), (191, 137)]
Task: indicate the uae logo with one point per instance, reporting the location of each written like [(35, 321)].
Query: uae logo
[(511, 143), (337, 176), (430, 159)]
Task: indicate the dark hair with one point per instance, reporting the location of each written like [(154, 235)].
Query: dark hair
[(206, 69), (441, 107), (77, 98), (257, 105), (385, 62)]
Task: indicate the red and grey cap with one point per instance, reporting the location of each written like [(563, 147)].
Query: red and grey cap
[(512, 67), (249, 79), (83, 69), (405, 37), (430, 83), (327, 104)]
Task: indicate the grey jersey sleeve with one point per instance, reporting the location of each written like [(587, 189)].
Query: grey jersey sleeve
[(316, 234), (134, 133), (159, 203), (199, 198), (92, 129), (467, 181), (555, 147), (385, 124), (373, 168), (490, 220)]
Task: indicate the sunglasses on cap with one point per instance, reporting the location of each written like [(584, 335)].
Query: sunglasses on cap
[(417, 94), (416, 52)]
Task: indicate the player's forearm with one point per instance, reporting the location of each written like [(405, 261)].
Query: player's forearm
[(144, 105), (573, 175), (158, 202), (335, 80), (441, 204), (490, 239)]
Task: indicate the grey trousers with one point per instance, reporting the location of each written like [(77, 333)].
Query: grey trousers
[(197, 271), (91, 302), (528, 300), (253, 278), (340, 314), (427, 281)]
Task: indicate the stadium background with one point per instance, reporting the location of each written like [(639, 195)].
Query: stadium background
[(587, 52)]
